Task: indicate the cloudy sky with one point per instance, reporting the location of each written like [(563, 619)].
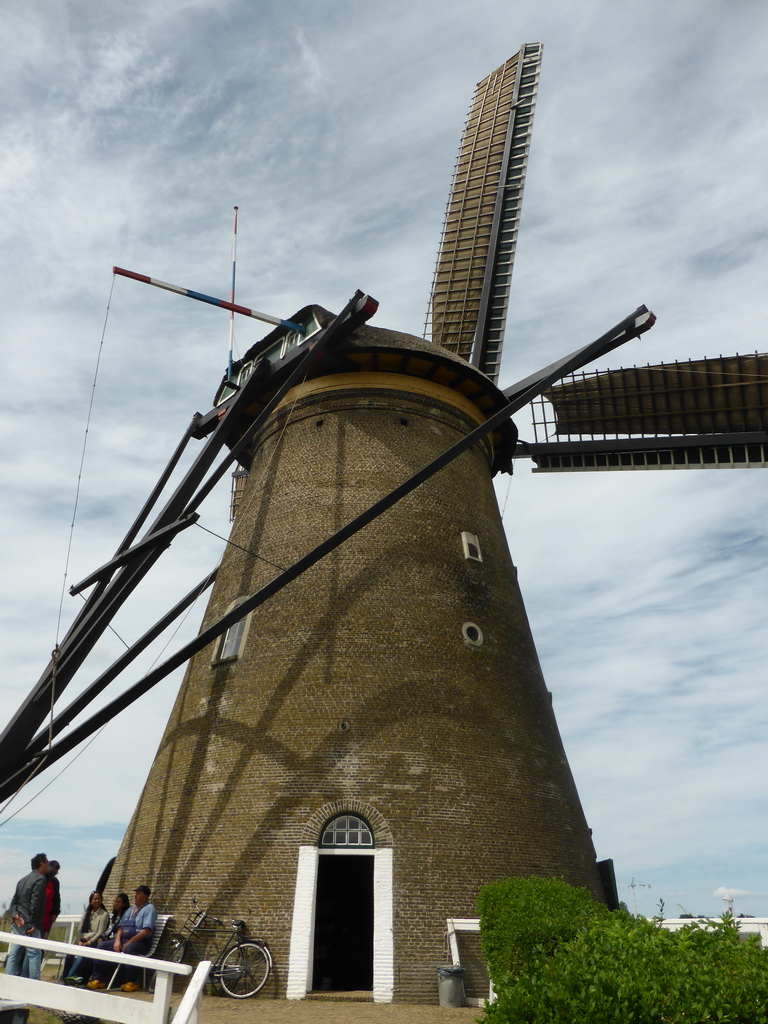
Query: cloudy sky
[(130, 130)]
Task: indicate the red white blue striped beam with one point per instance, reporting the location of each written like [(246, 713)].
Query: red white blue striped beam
[(277, 321)]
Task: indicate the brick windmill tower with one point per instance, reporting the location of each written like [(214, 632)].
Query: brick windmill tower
[(348, 763), (363, 737)]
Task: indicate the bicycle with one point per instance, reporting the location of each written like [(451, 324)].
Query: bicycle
[(241, 967)]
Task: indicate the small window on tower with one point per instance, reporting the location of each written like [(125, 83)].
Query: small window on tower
[(471, 546), (232, 641)]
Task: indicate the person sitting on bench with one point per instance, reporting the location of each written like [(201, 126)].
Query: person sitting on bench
[(133, 935), (92, 929)]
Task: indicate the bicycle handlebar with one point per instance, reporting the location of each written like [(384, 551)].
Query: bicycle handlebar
[(235, 924)]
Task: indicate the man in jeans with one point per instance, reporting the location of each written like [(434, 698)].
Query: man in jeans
[(27, 910), (133, 935)]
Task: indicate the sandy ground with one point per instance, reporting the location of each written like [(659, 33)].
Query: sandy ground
[(263, 1010), (221, 1010), (216, 1010)]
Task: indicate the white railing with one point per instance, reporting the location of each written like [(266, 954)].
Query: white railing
[(99, 1003), (70, 924), (465, 924), (188, 1011), (747, 925)]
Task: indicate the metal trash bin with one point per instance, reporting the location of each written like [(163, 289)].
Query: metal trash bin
[(450, 985), (13, 1013)]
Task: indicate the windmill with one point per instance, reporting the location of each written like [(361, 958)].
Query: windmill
[(363, 736)]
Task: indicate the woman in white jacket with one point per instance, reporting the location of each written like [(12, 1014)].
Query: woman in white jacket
[(93, 924)]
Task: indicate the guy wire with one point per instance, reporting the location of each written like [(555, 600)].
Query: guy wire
[(82, 462)]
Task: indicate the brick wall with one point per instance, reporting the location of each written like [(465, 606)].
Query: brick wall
[(357, 690)]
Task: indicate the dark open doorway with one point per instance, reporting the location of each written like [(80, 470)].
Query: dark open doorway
[(343, 956)]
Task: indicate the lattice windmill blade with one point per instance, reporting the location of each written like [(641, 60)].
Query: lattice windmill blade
[(470, 289), (701, 413)]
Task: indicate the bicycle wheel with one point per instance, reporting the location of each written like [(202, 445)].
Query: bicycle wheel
[(176, 956), (244, 970)]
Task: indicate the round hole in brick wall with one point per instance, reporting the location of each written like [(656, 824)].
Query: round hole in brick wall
[(343, 726), (472, 634), (318, 423), (403, 421)]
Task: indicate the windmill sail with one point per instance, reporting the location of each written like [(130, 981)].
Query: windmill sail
[(470, 288), (701, 413)]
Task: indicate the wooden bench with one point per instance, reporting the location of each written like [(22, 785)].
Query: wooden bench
[(157, 934)]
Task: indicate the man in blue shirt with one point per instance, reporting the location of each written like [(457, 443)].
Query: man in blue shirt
[(27, 910), (133, 935)]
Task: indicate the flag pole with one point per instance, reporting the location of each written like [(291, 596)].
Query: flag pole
[(232, 300)]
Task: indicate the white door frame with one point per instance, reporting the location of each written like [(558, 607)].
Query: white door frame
[(303, 924)]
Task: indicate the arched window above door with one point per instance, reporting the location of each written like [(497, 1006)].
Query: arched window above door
[(346, 830)]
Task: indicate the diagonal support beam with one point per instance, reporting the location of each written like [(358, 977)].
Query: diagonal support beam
[(519, 395), (104, 603), (359, 309), (160, 537), (88, 627), (633, 326), (126, 658)]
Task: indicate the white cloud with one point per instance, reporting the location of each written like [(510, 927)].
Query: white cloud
[(724, 893), (129, 132)]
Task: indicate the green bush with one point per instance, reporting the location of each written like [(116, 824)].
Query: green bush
[(626, 970), (524, 917)]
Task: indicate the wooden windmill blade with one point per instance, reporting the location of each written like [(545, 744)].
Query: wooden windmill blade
[(470, 288), (695, 414)]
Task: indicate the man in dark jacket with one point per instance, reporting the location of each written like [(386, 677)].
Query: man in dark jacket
[(27, 910)]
